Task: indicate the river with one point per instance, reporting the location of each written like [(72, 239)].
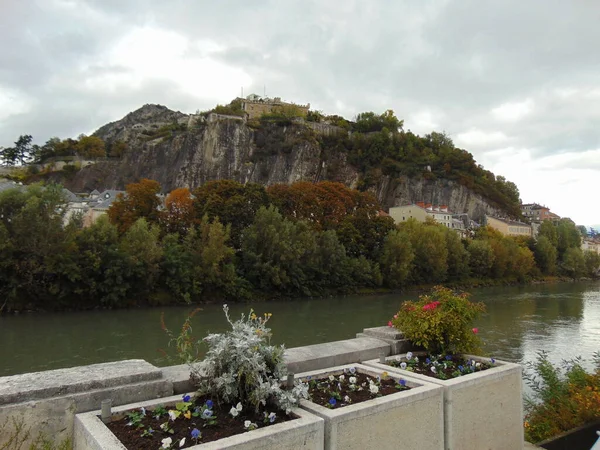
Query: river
[(562, 319)]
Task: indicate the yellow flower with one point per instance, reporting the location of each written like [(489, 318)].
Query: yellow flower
[(384, 376), (187, 414)]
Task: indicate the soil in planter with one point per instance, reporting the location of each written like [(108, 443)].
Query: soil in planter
[(441, 367), (147, 433), (338, 393)]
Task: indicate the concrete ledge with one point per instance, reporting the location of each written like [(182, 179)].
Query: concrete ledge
[(384, 333), (179, 376), (54, 383), (306, 432), (322, 356)]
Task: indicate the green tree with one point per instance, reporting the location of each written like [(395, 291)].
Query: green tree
[(142, 246), (397, 258), (548, 230), (458, 256), (104, 266), (91, 147), (428, 241), (233, 203), (21, 154), (275, 251), (568, 237), (573, 263), (592, 263), (545, 255), (481, 258)]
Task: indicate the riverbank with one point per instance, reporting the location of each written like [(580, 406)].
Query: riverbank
[(464, 285)]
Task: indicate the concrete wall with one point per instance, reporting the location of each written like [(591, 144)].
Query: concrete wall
[(48, 401)]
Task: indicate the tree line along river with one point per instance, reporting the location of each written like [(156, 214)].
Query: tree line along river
[(562, 319)]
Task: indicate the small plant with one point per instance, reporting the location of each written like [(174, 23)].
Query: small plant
[(441, 322), (564, 397), (442, 367), (241, 366), (351, 386)]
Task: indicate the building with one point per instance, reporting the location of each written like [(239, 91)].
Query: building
[(255, 106), (537, 213), (591, 245), (421, 211), (509, 227), (98, 205)]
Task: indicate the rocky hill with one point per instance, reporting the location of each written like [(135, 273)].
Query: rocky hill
[(181, 150)]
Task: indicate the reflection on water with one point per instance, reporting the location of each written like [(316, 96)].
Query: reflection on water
[(563, 319)]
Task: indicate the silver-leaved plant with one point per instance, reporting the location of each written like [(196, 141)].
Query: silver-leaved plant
[(241, 365)]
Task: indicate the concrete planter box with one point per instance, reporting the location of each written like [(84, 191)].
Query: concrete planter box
[(306, 432), (482, 410), (410, 419)]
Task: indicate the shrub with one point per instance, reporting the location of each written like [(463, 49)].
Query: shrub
[(560, 402), (442, 322), (241, 365)]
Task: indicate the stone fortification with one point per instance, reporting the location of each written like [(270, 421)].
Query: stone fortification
[(256, 106)]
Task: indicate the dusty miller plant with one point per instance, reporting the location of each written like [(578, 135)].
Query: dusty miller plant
[(241, 365)]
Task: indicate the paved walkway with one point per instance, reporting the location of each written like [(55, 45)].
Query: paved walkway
[(529, 446)]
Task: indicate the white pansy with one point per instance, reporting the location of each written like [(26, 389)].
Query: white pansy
[(347, 399), (403, 365), (433, 369), (166, 442), (234, 412), (352, 380), (342, 378), (374, 389), (238, 406), (247, 424), (331, 378), (409, 356)]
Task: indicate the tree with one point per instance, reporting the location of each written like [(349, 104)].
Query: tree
[(568, 236), (573, 263), (458, 256), (118, 149), (481, 258), (548, 230), (178, 216), (141, 200), (545, 255), (396, 260), (91, 147), (592, 263), (275, 251), (140, 243), (20, 154), (233, 203), (428, 241)]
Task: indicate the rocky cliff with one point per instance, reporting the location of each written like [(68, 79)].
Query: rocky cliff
[(200, 150)]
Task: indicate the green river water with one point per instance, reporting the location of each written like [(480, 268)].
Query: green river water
[(563, 319)]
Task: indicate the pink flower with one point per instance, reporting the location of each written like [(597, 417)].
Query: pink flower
[(395, 316), (475, 330), (390, 324)]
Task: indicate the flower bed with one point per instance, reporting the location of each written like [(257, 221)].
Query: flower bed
[(482, 409), (352, 386), (380, 420), (440, 366), (189, 422), (301, 431)]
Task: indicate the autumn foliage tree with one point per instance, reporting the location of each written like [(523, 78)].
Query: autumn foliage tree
[(141, 200), (324, 205), (178, 216)]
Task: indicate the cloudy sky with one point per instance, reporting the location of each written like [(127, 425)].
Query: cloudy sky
[(515, 83)]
